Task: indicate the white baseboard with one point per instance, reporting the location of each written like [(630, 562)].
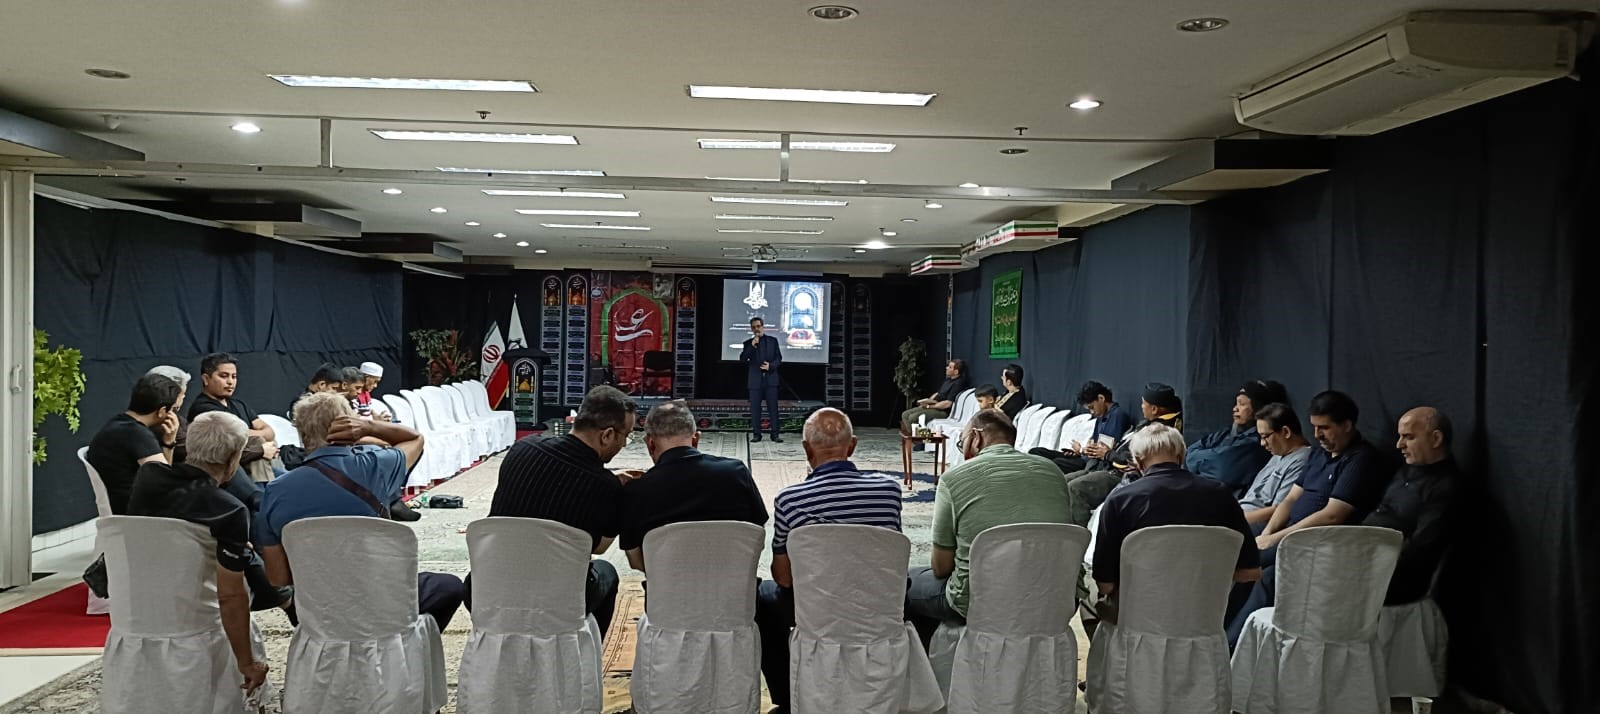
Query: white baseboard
[(70, 534)]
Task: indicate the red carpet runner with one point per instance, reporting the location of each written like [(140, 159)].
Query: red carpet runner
[(54, 621)]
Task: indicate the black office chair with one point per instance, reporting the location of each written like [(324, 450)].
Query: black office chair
[(657, 370)]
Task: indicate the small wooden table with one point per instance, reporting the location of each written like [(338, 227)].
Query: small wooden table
[(908, 442)]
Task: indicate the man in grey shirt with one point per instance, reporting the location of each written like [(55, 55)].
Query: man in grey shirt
[(1278, 427)]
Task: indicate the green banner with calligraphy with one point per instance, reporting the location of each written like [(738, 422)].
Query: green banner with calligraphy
[(1005, 313)]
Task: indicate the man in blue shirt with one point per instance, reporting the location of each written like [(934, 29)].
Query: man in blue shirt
[(353, 467), (835, 492), (1234, 455), (1109, 421)]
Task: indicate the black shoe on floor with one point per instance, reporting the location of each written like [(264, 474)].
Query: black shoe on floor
[(777, 439), (755, 438), (399, 511)]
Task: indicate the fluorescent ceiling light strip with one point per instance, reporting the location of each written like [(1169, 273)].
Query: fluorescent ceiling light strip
[(825, 96), (461, 85), (575, 212), (474, 136), (793, 180), (748, 217), (594, 226), (867, 147), (526, 172), (780, 201), (769, 232), (551, 194)]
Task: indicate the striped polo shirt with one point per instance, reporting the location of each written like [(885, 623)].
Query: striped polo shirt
[(835, 492)]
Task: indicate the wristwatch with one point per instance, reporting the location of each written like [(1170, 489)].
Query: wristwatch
[(170, 446)]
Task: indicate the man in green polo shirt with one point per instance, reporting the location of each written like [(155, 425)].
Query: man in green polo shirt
[(996, 486)]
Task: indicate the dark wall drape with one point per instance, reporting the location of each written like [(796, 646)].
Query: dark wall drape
[(1438, 264), (133, 291)]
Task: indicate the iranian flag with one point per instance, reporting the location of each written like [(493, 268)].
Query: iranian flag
[(495, 374)]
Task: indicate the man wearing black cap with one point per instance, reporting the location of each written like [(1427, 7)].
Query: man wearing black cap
[(1109, 465), (1234, 455)]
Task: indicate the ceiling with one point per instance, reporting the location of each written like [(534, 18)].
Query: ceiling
[(614, 75)]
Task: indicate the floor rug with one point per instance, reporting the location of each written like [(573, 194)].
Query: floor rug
[(54, 623)]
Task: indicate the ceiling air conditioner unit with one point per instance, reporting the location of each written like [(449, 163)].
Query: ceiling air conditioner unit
[(1419, 66)]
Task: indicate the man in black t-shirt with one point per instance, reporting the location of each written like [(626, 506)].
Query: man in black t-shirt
[(938, 405), (142, 434), (219, 377), (190, 491), (685, 485)]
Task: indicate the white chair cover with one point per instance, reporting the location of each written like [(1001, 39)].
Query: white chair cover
[(951, 427), (1317, 650), (478, 398), (166, 651), (400, 410), (283, 430), (431, 465), (451, 442), (1050, 429), (698, 651), (1167, 651), (1025, 419), (485, 432), (1079, 428), (532, 650), (852, 649), (1414, 639), (102, 504), (361, 645), (380, 407), (1017, 652), (1028, 437), (442, 411)]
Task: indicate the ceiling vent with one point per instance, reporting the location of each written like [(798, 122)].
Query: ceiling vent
[(1419, 66)]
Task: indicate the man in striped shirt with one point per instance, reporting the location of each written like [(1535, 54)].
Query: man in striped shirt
[(834, 492)]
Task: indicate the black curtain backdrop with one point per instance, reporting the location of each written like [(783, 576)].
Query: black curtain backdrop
[(133, 291), (1437, 264)]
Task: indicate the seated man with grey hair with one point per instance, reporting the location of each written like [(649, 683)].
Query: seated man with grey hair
[(685, 484), (353, 467), (191, 491), (1166, 495)]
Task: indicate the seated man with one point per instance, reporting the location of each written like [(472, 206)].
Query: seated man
[(1109, 465), (354, 383), (834, 492), (219, 378), (242, 488), (564, 479), (191, 492), (685, 485), (347, 470), (939, 404), (1342, 483), (371, 375), (1015, 398), (1234, 455), (1419, 503), (996, 486), (328, 378), (1167, 495), (1110, 423), (1278, 428), (145, 433)]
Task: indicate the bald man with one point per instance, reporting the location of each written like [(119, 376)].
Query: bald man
[(1419, 502), (834, 492)]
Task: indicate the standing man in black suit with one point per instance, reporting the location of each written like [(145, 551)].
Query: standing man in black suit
[(761, 358)]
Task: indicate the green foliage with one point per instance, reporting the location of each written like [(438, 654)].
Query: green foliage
[(447, 361), (58, 383), (908, 372)]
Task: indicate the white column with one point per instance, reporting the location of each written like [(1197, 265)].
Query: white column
[(16, 382)]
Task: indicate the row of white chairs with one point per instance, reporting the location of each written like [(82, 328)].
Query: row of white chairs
[(1037, 425), (457, 423)]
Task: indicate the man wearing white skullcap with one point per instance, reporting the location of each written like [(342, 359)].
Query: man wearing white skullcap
[(372, 373)]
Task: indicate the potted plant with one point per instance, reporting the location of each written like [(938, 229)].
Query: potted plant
[(447, 362), (908, 372), (58, 383)]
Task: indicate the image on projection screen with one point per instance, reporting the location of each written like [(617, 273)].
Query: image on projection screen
[(795, 312)]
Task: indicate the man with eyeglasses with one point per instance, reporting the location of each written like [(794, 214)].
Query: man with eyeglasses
[(565, 479), (1278, 431)]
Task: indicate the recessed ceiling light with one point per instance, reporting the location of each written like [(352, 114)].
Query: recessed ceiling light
[(474, 136), (793, 180), (594, 226), (460, 85), (522, 244), (552, 194), (908, 220), (99, 73), (933, 204), (393, 191), (822, 96), (864, 147), (1203, 24), (499, 235), (888, 234), (780, 201), (438, 209), (876, 245), (1013, 151), (245, 127), (769, 232), (540, 251), (528, 172), (1085, 104), (474, 224), (969, 184), (748, 217), (861, 250), (833, 12), (575, 212)]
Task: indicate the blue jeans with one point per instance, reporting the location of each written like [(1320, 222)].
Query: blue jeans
[(926, 604)]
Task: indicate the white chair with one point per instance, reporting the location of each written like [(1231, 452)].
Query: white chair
[(283, 430), (1017, 652), (852, 649), (166, 651), (102, 504), (442, 412), (1167, 651), (449, 441), (532, 650), (361, 645), (478, 396), (1050, 429), (1414, 640), (488, 436), (697, 649), (1077, 428), (1028, 434), (953, 425), (431, 465), (1317, 650)]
